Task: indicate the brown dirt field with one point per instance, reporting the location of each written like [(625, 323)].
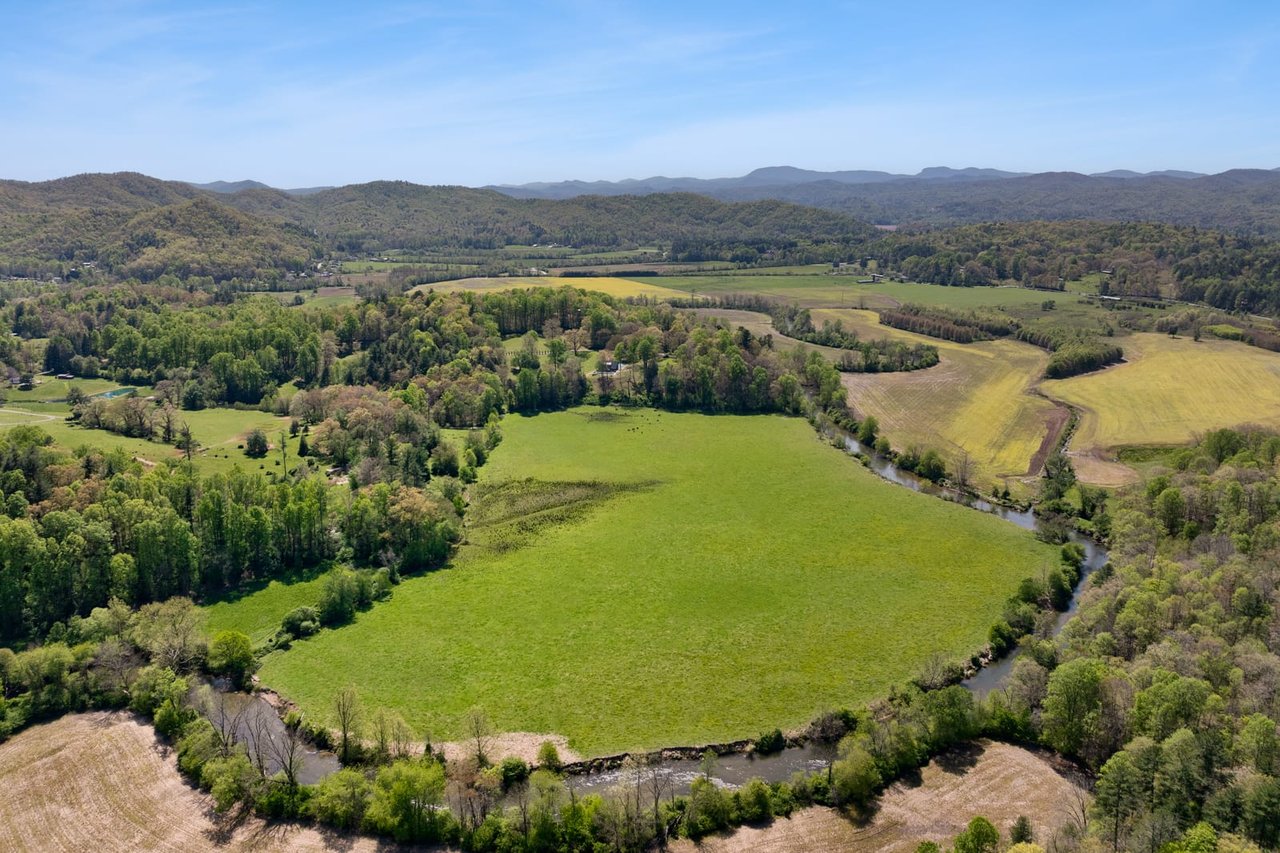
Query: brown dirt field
[(335, 291), (523, 745), (995, 780), (1093, 468), (103, 782)]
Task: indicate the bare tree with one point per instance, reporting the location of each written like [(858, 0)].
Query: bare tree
[(480, 732), (169, 422), (287, 752), (259, 741), (115, 661), (401, 738), (383, 728), (964, 470), (346, 708), (226, 714), (658, 784)]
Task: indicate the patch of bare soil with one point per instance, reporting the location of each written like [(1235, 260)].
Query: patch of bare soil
[(1092, 468), (995, 780), (523, 745), (103, 782), (1055, 421)]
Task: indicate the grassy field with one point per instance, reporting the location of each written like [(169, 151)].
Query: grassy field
[(51, 389), (844, 291), (612, 286), (1170, 390), (995, 780), (256, 610), (671, 579), (107, 782), (220, 433)]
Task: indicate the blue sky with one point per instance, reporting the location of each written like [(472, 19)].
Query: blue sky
[(302, 94)]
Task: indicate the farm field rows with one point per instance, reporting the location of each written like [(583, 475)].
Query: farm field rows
[(995, 780), (1170, 390), (667, 579), (978, 400), (104, 781)]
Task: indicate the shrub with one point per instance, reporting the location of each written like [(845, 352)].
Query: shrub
[(707, 810), (770, 742), (754, 802), (549, 757), (341, 799), (301, 622), (255, 446), (513, 771), (231, 654)]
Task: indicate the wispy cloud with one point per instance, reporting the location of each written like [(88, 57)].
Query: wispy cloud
[(492, 91)]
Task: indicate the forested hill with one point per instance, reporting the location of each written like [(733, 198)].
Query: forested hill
[(1243, 200), (397, 214), (132, 225)]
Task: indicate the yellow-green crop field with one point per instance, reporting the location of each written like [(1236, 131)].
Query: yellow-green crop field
[(978, 400), (620, 287), (1170, 390)]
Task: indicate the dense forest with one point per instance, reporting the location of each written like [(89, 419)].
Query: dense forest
[(1167, 680)]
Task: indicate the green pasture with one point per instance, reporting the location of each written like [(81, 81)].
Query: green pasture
[(52, 390), (635, 579), (219, 432), (844, 290), (256, 610)]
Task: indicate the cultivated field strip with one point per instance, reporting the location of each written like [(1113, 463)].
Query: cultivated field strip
[(104, 782), (995, 780)]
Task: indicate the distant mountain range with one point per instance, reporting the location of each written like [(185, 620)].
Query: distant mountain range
[(132, 224), (1241, 200), (781, 176), (227, 187), (769, 176)]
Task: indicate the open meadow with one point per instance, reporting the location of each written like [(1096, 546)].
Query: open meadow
[(220, 434), (640, 579), (824, 290), (978, 402)]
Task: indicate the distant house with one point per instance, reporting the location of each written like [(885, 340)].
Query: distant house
[(608, 368)]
